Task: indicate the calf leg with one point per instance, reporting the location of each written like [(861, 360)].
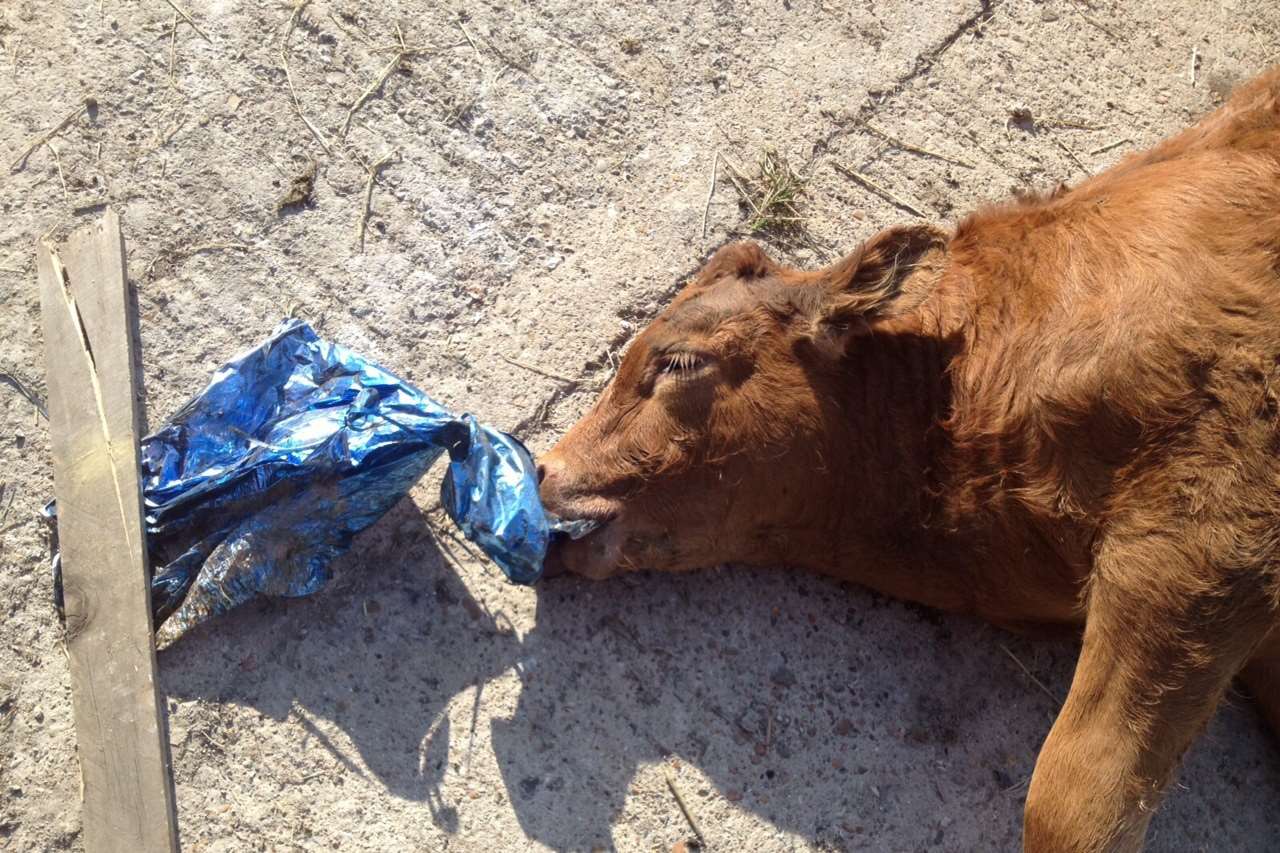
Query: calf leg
[(1261, 675), (1162, 641)]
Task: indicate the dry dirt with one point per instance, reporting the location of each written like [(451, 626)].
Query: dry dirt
[(550, 166)]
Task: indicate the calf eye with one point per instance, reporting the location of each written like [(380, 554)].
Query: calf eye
[(681, 363)]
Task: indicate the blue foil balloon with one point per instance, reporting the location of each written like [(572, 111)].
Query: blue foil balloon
[(296, 446)]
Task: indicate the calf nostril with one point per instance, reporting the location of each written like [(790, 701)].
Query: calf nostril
[(542, 474)]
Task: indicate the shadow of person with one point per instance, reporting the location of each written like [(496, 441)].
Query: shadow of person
[(365, 655), (841, 718)]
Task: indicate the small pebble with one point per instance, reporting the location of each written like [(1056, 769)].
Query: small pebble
[(783, 677)]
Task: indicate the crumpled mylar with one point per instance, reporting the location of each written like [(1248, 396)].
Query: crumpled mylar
[(255, 485)]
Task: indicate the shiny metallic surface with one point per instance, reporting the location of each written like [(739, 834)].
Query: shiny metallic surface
[(294, 447)]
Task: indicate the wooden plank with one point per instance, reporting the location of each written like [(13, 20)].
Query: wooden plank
[(90, 338)]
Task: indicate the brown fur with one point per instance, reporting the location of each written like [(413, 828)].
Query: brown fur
[(1064, 413)]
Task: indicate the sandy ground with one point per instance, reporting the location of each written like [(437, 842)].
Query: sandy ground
[(546, 196)]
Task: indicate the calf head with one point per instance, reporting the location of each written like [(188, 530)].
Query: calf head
[(721, 437)]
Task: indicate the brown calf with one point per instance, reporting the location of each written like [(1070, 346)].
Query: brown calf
[(1063, 413)]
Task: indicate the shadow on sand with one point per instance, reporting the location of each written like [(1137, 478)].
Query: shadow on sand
[(834, 714)]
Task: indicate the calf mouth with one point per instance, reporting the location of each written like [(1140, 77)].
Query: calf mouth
[(575, 528), (566, 530)]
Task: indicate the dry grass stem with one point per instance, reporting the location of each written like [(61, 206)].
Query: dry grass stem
[(883, 192), (86, 104), (1109, 146), (351, 32), (288, 76), (711, 191), (215, 247), (471, 41), (26, 393), (916, 149), (173, 46), (684, 809), (1069, 124), (368, 196), (538, 370), (177, 9), (1101, 26), (773, 195), (58, 162), (1072, 155), (403, 52), (1029, 674)]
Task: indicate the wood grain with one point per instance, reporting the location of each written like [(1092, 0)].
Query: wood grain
[(90, 334)]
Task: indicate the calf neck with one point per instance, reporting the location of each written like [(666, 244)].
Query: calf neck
[(1062, 412)]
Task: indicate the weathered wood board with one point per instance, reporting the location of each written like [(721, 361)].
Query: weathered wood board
[(90, 333)]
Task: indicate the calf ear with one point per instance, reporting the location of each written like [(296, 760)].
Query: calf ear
[(740, 260), (886, 277)]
